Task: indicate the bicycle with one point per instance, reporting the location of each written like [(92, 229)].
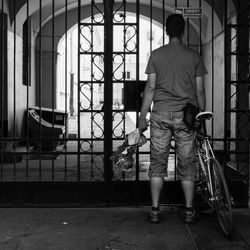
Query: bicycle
[(212, 185)]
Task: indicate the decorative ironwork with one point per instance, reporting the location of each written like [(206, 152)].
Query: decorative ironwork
[(86, 146), (237, 117), (119, 15), (91, 87), (130, 38), (97, 119), (97, 167), (118, 63), (85, 102), (118, 125), (98, 71), (97, 15), (84, 31)]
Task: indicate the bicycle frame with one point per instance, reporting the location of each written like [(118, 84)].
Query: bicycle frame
[(205, 153), (213, 187)]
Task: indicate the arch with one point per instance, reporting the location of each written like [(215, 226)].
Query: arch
[(86, 10), (59, 9), (72, 18), (71, 65)]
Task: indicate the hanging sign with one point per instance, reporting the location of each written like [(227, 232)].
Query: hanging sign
[(189, 12)]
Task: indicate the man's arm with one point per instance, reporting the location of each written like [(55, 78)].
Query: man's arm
[(201, 93), (147, 100)]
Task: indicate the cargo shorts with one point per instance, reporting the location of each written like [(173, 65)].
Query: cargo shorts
[(163, 127)]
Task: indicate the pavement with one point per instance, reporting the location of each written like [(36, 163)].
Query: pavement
[(116, 228)]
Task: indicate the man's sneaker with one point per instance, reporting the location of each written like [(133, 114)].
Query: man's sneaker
[(154, 216), (189, 215)]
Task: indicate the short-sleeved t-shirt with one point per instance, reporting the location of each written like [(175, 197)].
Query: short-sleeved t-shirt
[(176, 67)]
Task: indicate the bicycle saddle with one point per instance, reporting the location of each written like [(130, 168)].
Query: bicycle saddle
[(206, 115)]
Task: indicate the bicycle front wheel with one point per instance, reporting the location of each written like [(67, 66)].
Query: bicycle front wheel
[(222, 198)]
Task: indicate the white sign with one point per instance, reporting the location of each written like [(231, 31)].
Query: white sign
[(189, 12)]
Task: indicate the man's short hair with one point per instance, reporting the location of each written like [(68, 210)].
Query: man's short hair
[(175, 25)]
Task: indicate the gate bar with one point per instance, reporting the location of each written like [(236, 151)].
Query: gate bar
[(212, 70), (200, 40), (53, 86), (108, 70), (124, 63), (91, 84), (137, 76), (14, 90), (78, 92), (66, 86), (40, 87), (27, 89), (2, 88), (163, 22), (188, 37), (151, 25)]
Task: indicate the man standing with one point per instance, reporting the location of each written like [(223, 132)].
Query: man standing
[(175, 78)]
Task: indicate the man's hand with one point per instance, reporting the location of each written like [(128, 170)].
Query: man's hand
[(142, 124)]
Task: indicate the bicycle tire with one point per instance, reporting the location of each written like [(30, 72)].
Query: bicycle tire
[(222, 198)]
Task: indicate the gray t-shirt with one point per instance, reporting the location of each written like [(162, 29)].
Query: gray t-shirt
[(176, 67)]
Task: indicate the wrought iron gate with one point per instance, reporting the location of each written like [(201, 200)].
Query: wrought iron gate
[(108, 76), (237, 98), (75, 74)]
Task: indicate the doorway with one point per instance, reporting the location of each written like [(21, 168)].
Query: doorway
[(128, 81)]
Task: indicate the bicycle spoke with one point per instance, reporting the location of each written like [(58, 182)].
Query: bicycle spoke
[(222, 201), (213, 187), (203, 186)]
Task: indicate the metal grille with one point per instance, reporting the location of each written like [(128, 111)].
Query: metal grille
[(237, 119), (70, 101), (101, 49), (91, 114)]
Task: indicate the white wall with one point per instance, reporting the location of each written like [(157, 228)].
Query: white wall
[(17, 92), (215, 92)]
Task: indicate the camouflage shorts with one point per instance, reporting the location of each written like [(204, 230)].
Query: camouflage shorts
[(164, 127)]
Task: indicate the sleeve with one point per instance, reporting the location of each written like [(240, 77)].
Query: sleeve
[(150, 66), (200, 69)]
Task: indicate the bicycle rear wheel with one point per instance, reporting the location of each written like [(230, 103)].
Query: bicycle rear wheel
[(222, 198)]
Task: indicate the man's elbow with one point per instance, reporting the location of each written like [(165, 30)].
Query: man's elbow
[(201, 92), (150, 89)]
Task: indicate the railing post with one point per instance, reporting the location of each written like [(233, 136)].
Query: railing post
[(108, 88)]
